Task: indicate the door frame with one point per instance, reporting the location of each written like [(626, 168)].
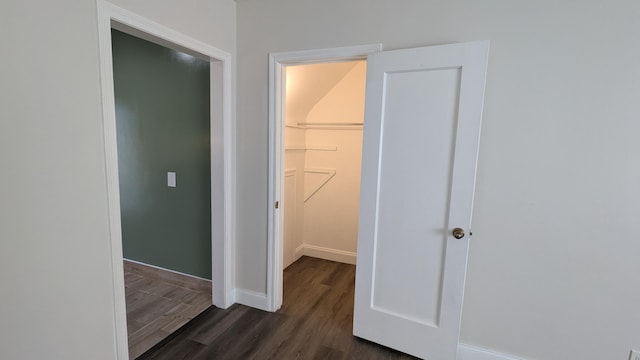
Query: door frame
[(277, 63), (222, 135)]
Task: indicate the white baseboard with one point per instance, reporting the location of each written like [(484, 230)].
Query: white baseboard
[(167, 270), (470, 352), (342, 256), (252, 299)]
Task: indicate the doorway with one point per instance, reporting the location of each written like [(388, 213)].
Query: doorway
[(162, 118), (423, 114), (221, 159), (324, 116), (279, 63)]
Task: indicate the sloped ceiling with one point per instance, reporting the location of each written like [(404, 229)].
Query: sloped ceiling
[(307, 84)]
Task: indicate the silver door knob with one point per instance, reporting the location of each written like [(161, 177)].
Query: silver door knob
[(458, 233)]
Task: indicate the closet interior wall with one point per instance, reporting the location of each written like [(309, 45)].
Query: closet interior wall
[(323, 151)]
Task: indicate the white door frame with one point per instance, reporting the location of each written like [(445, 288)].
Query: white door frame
[(222, 154), (277, 63)]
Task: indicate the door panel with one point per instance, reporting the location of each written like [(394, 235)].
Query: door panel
[(421, 190), (417, 185)]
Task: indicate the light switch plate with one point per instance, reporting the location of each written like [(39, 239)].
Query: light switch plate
[(171, 179)]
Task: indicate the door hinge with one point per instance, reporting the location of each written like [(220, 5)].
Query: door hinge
[(277, 205)]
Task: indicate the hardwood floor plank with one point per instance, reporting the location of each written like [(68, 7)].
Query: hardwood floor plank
[(315, 322), (217, 323), (153, 307), (133, 326), (158, 304), (147, 272), (139, 347), (138, 282), (131, 277), (182, 350), (179, 316), (225, 346), (166, 347), (327, 353), (252, 347)]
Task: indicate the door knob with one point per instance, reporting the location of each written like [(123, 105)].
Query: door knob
[(458, 233)]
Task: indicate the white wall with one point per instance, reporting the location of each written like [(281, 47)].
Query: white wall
[(553, 270), (331, 214), (308, 84), (56, 298), (211, 21), (55, 285), (344, 103)]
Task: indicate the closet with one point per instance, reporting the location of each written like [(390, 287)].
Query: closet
[(324, 115)]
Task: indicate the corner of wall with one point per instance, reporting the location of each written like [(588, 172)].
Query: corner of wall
[(252, 299)]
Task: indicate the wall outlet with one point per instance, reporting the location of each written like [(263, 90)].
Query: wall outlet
[(635, 355), (171, 179)]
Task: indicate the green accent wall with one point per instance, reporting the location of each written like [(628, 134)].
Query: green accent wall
[(162, 119)]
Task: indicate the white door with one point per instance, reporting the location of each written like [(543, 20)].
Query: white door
[(422, 126)]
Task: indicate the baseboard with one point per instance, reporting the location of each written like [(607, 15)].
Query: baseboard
[(252, 299), (470, 352), (299, 252), (167, 270), (185, 280), (342, 256)]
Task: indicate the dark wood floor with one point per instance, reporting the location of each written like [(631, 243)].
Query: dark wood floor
[(315, 322)]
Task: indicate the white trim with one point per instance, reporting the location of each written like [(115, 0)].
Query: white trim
[(251, 298), (165, 269), (223, 166), (317, 56), (470, 352), (347, 257), (277, 62), (299, 252)]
